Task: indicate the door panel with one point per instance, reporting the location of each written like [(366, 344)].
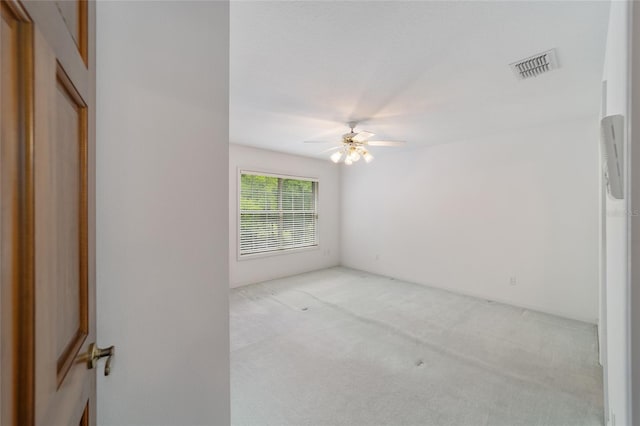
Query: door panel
[(53, 322), (67, 186)]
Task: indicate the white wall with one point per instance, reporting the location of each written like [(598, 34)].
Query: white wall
[(616, 77), (469, 216), (635, 218), (162, 212), (253, 270)]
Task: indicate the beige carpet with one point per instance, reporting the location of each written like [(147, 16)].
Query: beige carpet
[(344, 347)]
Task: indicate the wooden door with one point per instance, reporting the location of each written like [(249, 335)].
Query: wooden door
[(47, 184)]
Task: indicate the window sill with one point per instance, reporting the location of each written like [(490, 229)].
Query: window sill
[(242, 257)]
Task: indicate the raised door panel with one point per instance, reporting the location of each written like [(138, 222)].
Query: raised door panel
[(68, 193)]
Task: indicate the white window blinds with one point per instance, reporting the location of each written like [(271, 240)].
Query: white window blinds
[(277, 213)]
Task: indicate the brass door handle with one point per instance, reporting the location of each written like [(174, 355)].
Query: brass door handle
[(95, 353)]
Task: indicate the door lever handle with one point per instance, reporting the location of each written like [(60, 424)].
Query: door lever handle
[(95, 353)]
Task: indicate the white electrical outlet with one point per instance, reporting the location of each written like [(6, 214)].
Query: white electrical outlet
[(513, 281)]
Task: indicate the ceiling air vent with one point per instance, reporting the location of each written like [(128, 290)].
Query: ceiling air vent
[(535, 65)]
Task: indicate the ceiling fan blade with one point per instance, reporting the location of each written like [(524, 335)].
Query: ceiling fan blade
[(385, 143), (319, 142), (362, 136), (331, 149)]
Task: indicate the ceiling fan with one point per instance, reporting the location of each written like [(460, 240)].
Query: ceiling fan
[(354, 146)]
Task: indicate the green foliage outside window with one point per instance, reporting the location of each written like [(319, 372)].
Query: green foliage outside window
[(276, 213)]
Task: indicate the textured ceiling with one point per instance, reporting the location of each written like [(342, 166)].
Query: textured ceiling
[(424, 72)]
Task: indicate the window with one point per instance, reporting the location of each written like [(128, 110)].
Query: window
[(277, 213)]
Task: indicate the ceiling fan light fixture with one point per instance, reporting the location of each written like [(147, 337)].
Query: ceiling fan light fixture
[(354, 146), (336, 156)]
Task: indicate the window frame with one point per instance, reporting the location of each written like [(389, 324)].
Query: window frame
[(256, 172)]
